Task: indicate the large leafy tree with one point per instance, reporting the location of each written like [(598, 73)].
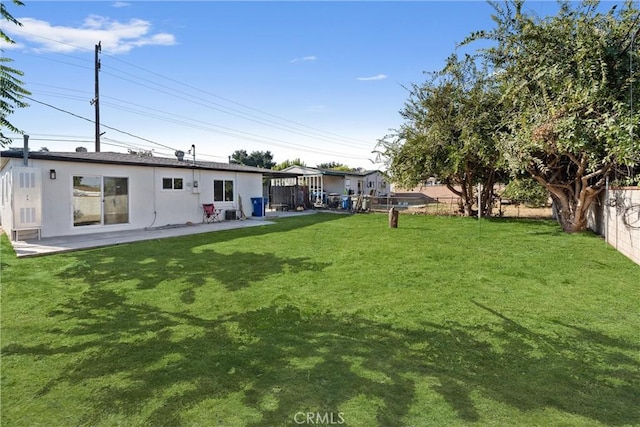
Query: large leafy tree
[(12, 89), (568, 82), (449, 132), (288, 163), (337, 166), (261, 159)]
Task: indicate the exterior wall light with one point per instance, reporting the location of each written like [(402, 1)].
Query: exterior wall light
[(52, 174)]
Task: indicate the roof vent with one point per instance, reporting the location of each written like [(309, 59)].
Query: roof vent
[(180, 155)]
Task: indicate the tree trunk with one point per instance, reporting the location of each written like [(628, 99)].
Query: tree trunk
[(466, 196), (572, 187), (487, 195), (573, 209)]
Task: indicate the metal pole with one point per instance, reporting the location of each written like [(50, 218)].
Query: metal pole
[(96, 100), (607, 206), (633, 39), (479, 201)]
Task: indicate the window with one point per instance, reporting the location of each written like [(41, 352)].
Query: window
[(87, 200), (172, 183), (222, 190)]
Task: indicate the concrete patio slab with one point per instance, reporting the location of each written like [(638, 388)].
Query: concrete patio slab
[(51, 245)]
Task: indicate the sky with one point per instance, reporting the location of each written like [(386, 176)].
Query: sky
[(319, 81)]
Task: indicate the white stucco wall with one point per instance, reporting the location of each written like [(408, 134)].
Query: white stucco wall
[(57, 201), (149, 204), (175, 206), (248, 189)]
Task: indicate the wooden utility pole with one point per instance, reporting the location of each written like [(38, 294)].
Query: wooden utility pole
[(96, 100)]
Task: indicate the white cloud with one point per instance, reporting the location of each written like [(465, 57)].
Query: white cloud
[(309, 58), (121, 4), (370, 78), (6, 45), (115, 36)]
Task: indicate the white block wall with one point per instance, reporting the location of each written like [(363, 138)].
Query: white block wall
[(622, 221)]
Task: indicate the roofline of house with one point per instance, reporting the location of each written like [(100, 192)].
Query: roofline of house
[(134, 160), (334, 172), (344, 173)]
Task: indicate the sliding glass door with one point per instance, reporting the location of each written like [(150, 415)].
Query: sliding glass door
[(100, 200), (116, 200)]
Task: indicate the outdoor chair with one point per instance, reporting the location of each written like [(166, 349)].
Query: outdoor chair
[(210, 213)]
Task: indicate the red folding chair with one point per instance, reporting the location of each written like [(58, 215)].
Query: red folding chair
[(210, 213)]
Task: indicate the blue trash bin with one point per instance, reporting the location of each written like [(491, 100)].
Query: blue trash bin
[(345, 202), (259, 205)]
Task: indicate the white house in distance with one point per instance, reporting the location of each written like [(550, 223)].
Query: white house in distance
[(58, 193), (321, 184)]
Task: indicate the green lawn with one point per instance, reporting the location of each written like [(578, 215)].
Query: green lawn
[(442, 322)]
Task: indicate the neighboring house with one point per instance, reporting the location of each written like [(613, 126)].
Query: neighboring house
[(322, 183), (57, 194)]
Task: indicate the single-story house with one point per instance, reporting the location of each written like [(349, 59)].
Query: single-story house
[(68, 193), (322, 183)]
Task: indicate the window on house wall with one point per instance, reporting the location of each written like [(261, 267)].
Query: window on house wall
[(172, 184), (87, 200), (222, 190)]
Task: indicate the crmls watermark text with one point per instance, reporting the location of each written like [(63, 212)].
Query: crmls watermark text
[(319, 418)]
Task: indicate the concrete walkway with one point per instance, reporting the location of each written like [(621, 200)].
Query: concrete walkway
[(51, 245)]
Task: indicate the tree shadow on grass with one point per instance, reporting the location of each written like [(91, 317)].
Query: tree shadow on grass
[(192, 261), (282, 361), (191, 269)]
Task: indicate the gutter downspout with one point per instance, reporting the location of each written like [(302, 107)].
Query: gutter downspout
[(25, 151)]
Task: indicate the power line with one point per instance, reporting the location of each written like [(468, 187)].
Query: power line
[(233, 102), (272, 141), (239, 113), (44, 58), (189, 122), (205, 126), (59, 87), (235, 113), (226, 130), (91, 121), (246, 116)]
